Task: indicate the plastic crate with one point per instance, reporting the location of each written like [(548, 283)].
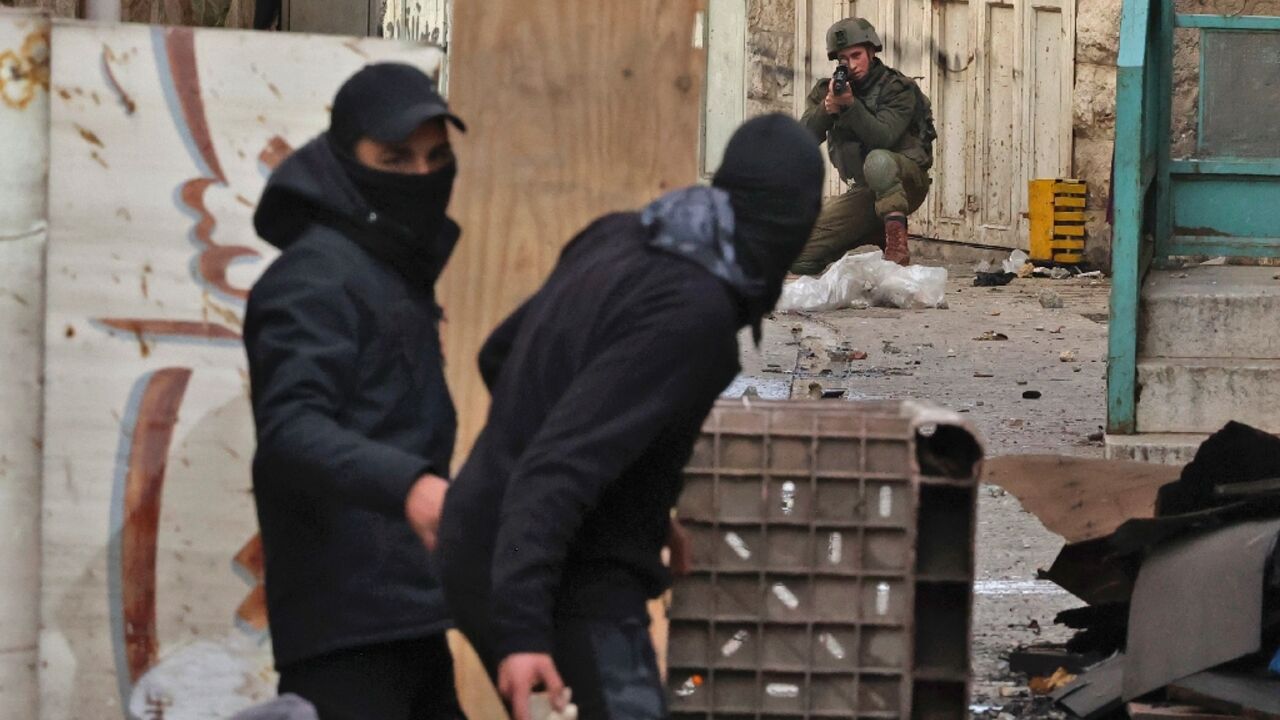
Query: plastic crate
[(814, 594)]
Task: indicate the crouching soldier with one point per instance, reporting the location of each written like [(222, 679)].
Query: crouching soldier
[(878, 126)]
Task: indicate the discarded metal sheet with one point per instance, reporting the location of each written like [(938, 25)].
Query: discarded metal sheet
[(1172, 711), (1043, 661), (161, 140), (1092, 571), (1197, 603), (1080, 498), (1095, 693), (1232, 693)]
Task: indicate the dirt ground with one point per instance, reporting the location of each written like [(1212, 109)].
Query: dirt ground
[(935, 355)]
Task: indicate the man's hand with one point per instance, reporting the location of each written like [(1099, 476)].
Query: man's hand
[(835, 104), (519, 674), (423, 505)]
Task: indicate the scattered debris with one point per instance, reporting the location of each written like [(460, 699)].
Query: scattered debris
[(887, 347), (1093, 275), (1067, 356), (1050, 299), (1180, 576), (1234, 693), (1046, 685), (1017, 260), (1054, 273), (980, 374), (995, 313), (1031, 395), (1045, 660), (1095, 693), (1013, 692), (1058, 330), (992, 335), (1171, 711), (992, 279)]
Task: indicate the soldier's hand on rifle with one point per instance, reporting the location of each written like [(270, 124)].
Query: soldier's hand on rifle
[(835, 104), (423, 505)]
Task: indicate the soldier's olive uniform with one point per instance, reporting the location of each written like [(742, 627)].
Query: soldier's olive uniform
[(882, 146)]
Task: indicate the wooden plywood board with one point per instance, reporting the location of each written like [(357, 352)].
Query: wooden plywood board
[(1080, 498), (575, 109), (161, 141)]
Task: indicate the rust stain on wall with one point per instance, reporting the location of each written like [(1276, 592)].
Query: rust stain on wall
[(25, 71)]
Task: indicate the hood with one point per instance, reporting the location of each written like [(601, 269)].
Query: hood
[(308, 187)]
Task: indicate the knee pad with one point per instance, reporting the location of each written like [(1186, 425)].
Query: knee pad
[(882, 171)]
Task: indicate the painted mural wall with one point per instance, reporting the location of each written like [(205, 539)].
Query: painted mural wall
[(160, 143)]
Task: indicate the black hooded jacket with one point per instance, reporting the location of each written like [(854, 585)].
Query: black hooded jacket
[(600, 384), (351, 408)]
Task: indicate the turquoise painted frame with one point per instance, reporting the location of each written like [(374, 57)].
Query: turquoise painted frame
[(1142, 130), (1147, 226)]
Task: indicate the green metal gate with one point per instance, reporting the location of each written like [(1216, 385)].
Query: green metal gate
[(1221, 197)]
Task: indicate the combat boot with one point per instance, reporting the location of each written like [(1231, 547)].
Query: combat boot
[(895, 239)]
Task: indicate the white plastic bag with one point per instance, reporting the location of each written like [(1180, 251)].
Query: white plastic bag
[(859, 280), (914, 286), (1016, 260)]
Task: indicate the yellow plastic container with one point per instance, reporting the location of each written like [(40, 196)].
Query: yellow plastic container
[(1056, 211)]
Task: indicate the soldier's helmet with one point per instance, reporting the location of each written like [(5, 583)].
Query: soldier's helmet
[(849, 32)]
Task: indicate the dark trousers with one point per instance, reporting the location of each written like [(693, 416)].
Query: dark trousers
[(401, 680), (611, 667)]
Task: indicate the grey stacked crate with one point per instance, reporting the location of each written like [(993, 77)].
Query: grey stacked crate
[(814, 592)]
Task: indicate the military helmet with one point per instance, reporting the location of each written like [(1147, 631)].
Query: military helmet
[(849, 32)]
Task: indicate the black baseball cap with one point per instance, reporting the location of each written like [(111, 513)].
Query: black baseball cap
[(386, 102)]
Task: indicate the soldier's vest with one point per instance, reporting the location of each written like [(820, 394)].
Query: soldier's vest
[(847, 154)]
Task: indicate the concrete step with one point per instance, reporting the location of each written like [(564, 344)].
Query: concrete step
[(1163, 448), (1215, 311), (1189, 395)]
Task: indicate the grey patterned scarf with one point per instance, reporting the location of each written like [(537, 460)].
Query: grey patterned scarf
[(697, 224)]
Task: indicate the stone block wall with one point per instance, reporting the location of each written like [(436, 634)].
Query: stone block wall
[(1094, 115), (771, 56)]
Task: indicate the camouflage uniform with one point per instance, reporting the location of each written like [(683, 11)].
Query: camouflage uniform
[(882, 146)]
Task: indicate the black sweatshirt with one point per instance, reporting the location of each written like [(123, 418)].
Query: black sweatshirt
[(600, 384), (351, 408)]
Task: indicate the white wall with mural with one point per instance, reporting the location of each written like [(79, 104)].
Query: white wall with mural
[(159, 142)]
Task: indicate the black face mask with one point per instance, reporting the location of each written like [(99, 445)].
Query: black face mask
[(411, 231), (416, 202)]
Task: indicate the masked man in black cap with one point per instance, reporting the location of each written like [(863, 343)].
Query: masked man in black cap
[(355, 425), (551, 536)]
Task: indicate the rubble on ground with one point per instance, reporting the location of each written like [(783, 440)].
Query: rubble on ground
[(1181, 575)]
